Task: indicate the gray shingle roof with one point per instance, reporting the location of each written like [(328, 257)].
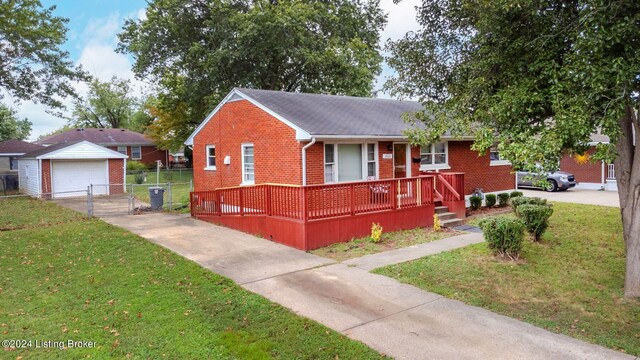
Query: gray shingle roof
[(103, 137), (337, 115), (17, 147)]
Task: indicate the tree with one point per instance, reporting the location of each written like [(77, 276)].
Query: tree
[(195, 52), (32, 64), (108, 105), (11, 127), (535, 78)]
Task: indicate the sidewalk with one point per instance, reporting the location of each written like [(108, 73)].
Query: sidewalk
[(395, 319)]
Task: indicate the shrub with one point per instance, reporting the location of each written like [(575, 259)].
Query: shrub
[(523, 200), (503, 199), (437, 225), (504, 235), (476, 202), (515, 194), (490, 200), (139, 178), (536, 218), (136, 165), (376, 232)]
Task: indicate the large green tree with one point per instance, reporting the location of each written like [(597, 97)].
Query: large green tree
[(535, 77), (32, 64), (108, 104), (11, 127), (197, 51)]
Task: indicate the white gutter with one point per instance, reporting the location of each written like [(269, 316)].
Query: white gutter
[(603, 177), (304, 160)]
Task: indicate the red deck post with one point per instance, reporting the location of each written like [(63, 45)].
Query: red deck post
[(352, 192), (304, 205), (267, 199)]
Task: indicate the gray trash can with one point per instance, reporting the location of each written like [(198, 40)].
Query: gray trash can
[(156, 197)]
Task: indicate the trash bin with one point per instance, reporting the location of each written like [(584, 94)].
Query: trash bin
[(156, 197)]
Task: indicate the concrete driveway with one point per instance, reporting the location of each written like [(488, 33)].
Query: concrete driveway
[(577, 196), (393, 318)]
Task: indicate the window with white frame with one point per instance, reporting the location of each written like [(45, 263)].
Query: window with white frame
[(329, 163), (371, 161), (136, 152), (211, 157), (349, 162), (433, 156), (248, 164), (495, 159), (122, 150)]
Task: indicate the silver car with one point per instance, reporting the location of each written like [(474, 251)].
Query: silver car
[(559, 180)]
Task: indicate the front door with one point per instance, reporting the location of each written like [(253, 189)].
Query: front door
[(400, 165)]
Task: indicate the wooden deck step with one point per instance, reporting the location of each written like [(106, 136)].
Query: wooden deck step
[(451, 222), (441, 209), (447, 215)]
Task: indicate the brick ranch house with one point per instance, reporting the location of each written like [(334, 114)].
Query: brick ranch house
[(134, 145), (308, 170), (588, 173)]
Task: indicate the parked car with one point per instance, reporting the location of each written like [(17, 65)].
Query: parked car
[(559, 180)]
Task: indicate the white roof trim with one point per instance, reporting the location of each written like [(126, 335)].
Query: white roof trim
[(383, 137), (11, 154), (233, 96), (109, 154)]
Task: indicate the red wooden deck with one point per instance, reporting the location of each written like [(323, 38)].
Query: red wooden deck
[(309, 217)]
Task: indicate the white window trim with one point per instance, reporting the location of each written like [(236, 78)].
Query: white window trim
[(140, 152), (500, 162), (125, 150), (444, 166), (363, 150), (206, 157), (242, 147)]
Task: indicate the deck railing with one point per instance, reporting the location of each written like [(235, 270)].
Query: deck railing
[(315, 202)]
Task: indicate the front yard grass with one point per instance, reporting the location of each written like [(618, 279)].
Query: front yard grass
[(389, 241), (571, 283), (88, 280)]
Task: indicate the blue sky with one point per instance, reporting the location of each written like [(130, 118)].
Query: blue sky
[(94, 24)]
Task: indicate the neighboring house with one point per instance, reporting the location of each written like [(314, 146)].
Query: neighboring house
[(588, 173), (9, 152), (67, 169), (134, 145), (177, 159), (260, 136)]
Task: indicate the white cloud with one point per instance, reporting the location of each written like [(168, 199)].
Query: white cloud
[(97, 43)]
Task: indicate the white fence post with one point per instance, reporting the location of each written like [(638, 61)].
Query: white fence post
[(89, 201)]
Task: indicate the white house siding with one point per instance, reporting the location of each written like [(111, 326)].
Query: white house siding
[(81, 151), (28, 176)]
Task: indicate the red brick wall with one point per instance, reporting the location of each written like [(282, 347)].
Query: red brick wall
[(149, 154), (590, 172), (315, 163), (116, 176), (46, 178), (385, 166), (477, 171), (277, 153)]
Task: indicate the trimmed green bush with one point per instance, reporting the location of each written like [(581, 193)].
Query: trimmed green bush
[(490, 200), (139, 178), (522, 200), (476, 202), (504, 235), (536, 218), (515, 194), (503, 199), (136, 165)]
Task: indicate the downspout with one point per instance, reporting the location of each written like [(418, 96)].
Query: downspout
[(304, 160), (603, 177)]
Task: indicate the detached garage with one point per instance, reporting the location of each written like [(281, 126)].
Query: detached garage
[(67, 169)]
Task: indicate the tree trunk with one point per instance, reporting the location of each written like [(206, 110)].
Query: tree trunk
[(628, 176)]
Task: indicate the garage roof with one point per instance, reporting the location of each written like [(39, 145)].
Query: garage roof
[(74, 150)]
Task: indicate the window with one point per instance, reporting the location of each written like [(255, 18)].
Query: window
[(122, 150), (248, 168), (494, 156), (211, 157), (371, 160), (349, 162), (329, 163), (136, 153), (434, 156), (13, 163)]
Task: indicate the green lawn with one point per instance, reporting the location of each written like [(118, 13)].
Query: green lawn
[(180, 186), (572, 283), (87, 280), (389, 241)]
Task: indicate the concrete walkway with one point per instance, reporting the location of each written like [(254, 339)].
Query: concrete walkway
[(578, 196), (393, 318)]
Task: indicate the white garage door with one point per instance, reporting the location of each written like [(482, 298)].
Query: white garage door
[(71, 178)]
